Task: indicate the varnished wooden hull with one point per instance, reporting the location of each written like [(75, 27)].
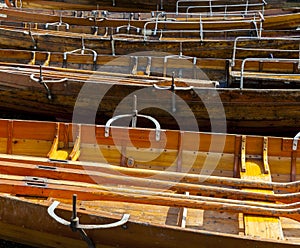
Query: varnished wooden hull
[(120, 5), (218, 109), (121, 45), (273, 20), (43, 231), (23, 160)]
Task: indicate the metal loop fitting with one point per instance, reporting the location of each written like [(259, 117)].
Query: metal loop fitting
[(74, 223), (41, 80), (58, 24), (173, 88), (134, 116)]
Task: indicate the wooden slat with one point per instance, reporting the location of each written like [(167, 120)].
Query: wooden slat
[(10, 127), (258, 226)]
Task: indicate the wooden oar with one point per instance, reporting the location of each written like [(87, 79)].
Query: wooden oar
[(101, 178), (60, 189), (88, 167), (69, 176)]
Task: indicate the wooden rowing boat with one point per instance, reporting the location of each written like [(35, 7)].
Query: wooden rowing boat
[(101, 17), (281, 20), (63, 93), (136, 5), (163, 65), (120, 44), (191, 187)]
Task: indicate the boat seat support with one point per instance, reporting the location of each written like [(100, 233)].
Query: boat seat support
[(76, 226)]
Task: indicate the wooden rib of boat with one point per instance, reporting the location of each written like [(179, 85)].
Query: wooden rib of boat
[(55, 93), (191, 187)]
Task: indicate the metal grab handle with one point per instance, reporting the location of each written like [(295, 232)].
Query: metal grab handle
[(134, 116), (62, 221), (41, 80)]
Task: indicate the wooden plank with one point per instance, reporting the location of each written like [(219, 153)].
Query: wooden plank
[(10, 133), (258, 226)]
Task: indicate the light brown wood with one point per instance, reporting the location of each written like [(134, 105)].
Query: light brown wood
[(264, 227)]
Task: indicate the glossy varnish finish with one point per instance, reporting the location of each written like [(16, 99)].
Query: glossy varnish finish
[(132, 172)]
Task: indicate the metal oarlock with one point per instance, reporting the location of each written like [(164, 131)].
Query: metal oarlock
[(41, 80), (173, 88), (58, 24), (31, 36), (128, 27), (83, 50), (134, 116), (76, 226)]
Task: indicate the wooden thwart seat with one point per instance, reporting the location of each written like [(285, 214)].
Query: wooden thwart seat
[(258, 169), (64, 153)]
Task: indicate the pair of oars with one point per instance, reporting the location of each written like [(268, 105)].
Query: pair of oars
[(104, 178), (88, 171), (86, 191), (152, 185)]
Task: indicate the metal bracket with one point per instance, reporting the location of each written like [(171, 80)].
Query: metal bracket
[(133, 116), (112, 42), (74, 223), (41, 80), (31, 36), (81, 51), (128, 26), (295, 141), (179, 56), (173, 88), (58, 24)]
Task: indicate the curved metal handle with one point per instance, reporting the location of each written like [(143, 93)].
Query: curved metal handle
[(41, 80), (133, 116), (82, 51), (58, 24), (156, 123), (171, 87), (62, 221)]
